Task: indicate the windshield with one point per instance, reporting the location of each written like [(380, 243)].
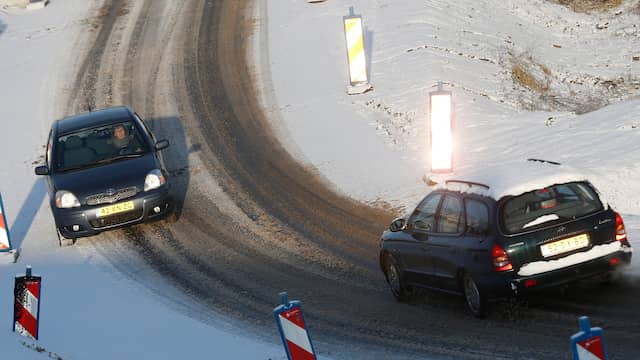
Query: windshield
[(548, 206), (99, 145)]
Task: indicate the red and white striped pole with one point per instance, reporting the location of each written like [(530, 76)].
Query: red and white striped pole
[(6, 252), (293, 329), (26, 308)]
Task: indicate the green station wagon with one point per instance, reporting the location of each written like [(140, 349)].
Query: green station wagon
[(512, 230)]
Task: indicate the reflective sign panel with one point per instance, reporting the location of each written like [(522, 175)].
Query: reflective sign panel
[(355, 50), (441, 132)]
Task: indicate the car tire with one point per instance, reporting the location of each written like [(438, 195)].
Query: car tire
[(395, 279), (63, 241), (172, 217), (606, 280), (474, 297)]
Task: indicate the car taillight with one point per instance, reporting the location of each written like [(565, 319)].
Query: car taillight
[(621, 233), (501, 261)]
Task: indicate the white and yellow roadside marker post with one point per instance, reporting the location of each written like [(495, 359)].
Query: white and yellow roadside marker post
[(354, 36), (7, 253), (441, 130)]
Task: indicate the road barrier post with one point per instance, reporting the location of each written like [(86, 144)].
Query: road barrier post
[(7, 253), (356, 57), (293, 329), (441, 130), (588, 343), (26, 308)]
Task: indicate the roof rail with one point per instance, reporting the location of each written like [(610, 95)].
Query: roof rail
[(470, 183), (544, 161)]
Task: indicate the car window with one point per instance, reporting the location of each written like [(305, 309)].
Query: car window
[(450, 215), (477, 217), (424, 216), (99, 145), (544, 207)]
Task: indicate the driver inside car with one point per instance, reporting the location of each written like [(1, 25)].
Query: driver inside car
[(122, 141)]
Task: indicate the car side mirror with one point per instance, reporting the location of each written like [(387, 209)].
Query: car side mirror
[(162, 144), (398, 224), (42, 170)]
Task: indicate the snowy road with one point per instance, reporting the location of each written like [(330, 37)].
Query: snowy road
[(254, 221)]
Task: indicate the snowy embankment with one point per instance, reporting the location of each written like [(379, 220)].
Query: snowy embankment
[(525, 78)]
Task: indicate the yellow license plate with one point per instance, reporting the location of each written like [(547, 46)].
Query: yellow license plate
[(115, 209), (565, 245)]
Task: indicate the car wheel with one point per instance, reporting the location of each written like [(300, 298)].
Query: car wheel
[(63, 241), (172, 217), (474, 296), (606, 280), (395, 280)]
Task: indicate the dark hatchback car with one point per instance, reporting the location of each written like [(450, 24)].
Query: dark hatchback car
[(465, 239), (104, 171)]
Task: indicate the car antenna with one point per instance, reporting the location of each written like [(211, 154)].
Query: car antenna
[(544, 161)]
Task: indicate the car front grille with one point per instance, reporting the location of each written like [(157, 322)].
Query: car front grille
[(111, 197), (116, 219)]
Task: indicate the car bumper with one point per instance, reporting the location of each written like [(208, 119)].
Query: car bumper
[(83, 221), (513, 284)]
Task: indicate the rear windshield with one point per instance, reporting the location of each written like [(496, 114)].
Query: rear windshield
[(548, 206), (99, 145)]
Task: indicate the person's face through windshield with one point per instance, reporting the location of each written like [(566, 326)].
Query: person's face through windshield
[(120, 136), (119, 132)]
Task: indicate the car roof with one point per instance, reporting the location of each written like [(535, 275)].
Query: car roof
[(93, 118), (511, 178)]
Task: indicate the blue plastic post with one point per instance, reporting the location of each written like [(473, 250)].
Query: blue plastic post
[(284, 298), (584, 324), (592, 336)]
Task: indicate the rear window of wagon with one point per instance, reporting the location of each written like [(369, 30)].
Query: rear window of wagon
[(548, 206)]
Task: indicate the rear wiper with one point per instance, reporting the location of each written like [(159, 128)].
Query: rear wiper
[(541, 219)]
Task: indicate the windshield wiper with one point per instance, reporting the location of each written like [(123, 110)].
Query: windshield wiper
[(100, 162), (77, 167), (120, 157)]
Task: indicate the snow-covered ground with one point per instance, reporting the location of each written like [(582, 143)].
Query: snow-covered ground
[(372, 146), (378, 147)]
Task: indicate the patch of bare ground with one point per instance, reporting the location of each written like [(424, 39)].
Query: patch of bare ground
[(39, 349), (397, 211), (586, 6), (537, 87)]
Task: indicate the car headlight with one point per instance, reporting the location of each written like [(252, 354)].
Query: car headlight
[(154, 180), (66, 199)]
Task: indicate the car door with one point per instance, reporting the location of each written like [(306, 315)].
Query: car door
[(420, 225), (442, 248)]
